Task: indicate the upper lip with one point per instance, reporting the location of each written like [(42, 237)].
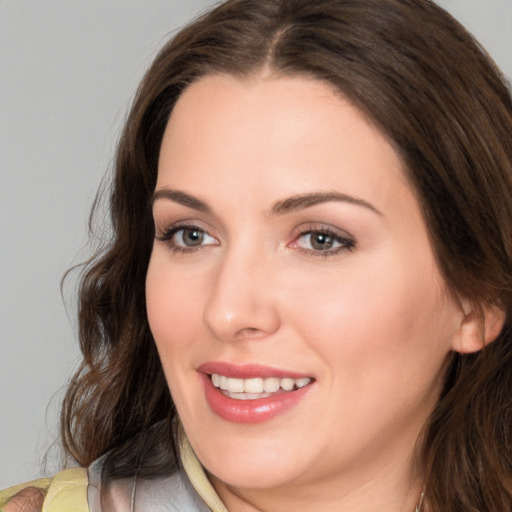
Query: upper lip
[(248, 371)]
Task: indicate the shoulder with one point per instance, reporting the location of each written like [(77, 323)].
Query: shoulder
[(82, 490), (29, 499), (171, 493), (25, 491), (66, 491)]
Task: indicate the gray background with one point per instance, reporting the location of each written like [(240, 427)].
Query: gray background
[(68, 69)]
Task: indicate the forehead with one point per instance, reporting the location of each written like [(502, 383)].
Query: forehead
[(278, 134)]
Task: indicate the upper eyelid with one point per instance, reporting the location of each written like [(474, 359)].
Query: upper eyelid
[(321, 227), (182, 224)]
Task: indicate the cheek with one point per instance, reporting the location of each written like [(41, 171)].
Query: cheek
[(386, 320), (385, 339), (173, 308)]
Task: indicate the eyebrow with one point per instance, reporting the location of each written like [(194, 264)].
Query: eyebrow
[(302, 201), (181, 198), (290, 204)]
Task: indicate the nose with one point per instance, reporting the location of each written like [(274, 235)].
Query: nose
[(241, 303)]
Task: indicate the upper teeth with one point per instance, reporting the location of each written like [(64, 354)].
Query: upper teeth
[(258, 385)]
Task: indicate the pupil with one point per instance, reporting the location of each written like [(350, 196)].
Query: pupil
[(321, 241), (192, 237)]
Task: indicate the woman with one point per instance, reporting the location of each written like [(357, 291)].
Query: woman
[(311, 251)]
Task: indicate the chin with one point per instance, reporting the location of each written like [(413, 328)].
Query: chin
[(252, 461), (254, 474)]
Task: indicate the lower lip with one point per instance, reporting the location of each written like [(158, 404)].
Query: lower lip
[(250, 411)]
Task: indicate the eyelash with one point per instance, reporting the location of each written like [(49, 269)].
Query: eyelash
[(171, 231), (346, 242)]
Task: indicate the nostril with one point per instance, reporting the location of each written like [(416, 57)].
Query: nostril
[(249, 333)]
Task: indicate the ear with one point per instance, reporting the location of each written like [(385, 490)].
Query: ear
[(481, 325)]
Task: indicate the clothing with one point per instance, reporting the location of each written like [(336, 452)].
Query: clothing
[(65, 492), (80, 490)]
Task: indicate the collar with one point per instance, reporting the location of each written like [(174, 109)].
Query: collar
[(197, 474)]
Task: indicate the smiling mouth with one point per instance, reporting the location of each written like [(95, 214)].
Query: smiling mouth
[(255, 388)]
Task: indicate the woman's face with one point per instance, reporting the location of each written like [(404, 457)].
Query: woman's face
[(292, 263)]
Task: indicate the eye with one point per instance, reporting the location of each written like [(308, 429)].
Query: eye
[(186, 238), (191, 237), (323, 241)]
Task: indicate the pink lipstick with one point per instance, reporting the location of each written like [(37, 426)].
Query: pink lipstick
[(251, 393)]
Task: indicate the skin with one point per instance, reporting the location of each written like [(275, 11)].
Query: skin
[(373, 324), (29, 499)]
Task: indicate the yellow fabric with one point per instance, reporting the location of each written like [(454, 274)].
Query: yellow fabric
[(65, 492), (197, 475)]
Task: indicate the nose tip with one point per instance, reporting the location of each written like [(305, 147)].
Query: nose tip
[(241, 306)]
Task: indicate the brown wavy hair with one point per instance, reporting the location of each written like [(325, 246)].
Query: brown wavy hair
[(430, 87)]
